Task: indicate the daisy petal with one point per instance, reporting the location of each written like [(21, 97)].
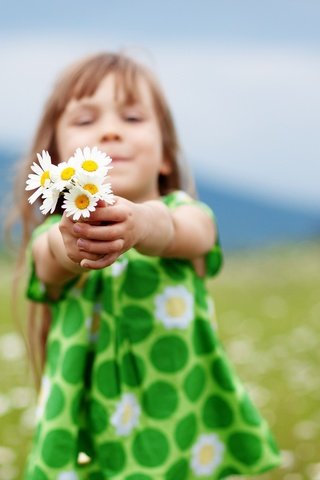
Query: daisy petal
[(35, 195)]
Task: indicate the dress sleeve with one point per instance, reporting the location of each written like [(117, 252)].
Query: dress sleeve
[(36, 290), (214, 257)]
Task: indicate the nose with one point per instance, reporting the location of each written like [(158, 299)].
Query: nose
[(110, 136), (110, 128)]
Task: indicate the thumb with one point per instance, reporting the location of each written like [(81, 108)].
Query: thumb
[(101, 203)]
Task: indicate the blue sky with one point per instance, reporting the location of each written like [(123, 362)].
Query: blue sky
[(272, 20), (242, 78)]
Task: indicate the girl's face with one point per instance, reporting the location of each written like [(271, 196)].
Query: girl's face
[(130, 134)]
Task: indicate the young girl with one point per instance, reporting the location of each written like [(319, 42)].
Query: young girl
[(136, 385)]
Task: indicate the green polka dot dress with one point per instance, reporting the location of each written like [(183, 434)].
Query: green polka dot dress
[(137, 385)]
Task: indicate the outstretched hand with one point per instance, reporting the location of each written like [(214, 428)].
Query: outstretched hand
[(110, 231), (150, 227)]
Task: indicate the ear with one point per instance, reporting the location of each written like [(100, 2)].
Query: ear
[(165, 167)]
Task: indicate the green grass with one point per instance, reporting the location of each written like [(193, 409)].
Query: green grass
[(17, 396), (268, 306), (268, 310)]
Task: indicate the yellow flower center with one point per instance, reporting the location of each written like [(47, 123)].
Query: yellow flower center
[(82, 202), (127, 414), (90, 187), (206, 454), (45, 176), (90, 165), (175, 307), (67, 173)]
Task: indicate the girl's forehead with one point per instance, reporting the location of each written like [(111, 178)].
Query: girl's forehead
[(117, 89)]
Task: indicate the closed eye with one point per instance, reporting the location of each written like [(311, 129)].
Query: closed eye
[(82, 121), (133, 118), (133, 114)]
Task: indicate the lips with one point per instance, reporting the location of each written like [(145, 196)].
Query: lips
[(116, 155)]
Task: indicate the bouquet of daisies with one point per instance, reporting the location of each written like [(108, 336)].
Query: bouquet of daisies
[(82, 181)]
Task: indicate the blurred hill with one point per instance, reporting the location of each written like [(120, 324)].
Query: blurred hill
[(244, 221), (249, 222)]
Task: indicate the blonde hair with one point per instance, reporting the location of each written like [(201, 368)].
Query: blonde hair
[(81, 80)]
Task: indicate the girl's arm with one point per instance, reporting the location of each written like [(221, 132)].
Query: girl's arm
[(186, 232), (150, 227), (56, 255)]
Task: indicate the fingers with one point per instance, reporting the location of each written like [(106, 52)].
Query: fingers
[(66, 226), (70, 242), (110, 213), (99, 233), (77, 257), (100, 248), (90, 256), (98, 241), (102, 262)]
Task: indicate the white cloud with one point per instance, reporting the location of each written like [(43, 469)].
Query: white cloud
[(259, 111), (246, 115)]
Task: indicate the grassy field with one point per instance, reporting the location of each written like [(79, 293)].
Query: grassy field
[(268, 308)]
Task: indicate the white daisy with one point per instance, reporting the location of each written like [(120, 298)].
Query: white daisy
[(127, 414), (106, 194), (41, 178), (95, 185), (174, 307), (92, 161), (90, 182), (207, 454), (43, 396), (79, 203), (51, 196), (64, 173)]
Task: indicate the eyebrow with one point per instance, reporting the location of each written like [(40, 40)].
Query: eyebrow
[(88, 103), (81, 103)]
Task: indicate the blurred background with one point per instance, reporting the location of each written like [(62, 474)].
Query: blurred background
[(243, 81)]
